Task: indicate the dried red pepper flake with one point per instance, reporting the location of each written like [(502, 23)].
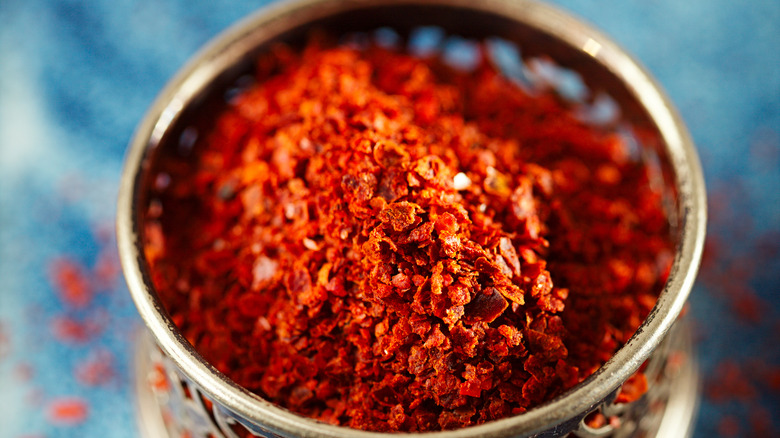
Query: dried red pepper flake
[(730, 382), (747, 305), (158, 379), (773, 378), (633, 388), (70, 330), (729, 426), (382, 242), (761, 424), (71, 282), (67, 411), (597, 420), (486, 306), (98, 369), (399, 215)]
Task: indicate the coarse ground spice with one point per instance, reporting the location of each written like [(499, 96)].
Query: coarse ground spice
[(380, 241)]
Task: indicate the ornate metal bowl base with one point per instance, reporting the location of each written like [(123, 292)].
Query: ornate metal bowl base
[(170, 406)]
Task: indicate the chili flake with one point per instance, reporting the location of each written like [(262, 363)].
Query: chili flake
[(379, 241), (68, 411)]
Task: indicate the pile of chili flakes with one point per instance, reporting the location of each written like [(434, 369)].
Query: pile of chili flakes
[(379, 241)]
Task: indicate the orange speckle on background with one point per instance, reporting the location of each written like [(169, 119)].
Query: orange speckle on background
[(69, 330), (98, 369), (71, 283), (68, 411), (729, 426)]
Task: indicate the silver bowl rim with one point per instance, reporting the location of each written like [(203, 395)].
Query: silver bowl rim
[(230, 45)]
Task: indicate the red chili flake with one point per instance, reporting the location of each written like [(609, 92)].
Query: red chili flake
[(632, 389), (71, 282), (399, 215), (71, 330), (67, 411), (157, 379), (729, 382), (596, 420), (97, 369), (774, 378), (383, 242), (486, 306), (728, 426), (760, 420), (747, 305)]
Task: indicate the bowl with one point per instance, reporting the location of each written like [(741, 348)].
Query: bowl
[(189, 395)]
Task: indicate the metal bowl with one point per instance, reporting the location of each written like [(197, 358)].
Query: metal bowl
[(540, 30)]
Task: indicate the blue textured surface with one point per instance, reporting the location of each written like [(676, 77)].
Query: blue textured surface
[(76, 76)]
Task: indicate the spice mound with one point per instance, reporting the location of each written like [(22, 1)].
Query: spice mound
[(383, 242)]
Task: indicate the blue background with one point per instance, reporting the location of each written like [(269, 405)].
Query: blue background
[(76, 77)]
